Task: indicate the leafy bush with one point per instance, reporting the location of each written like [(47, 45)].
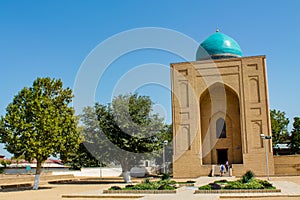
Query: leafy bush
[(205, 187), (147, 180), (190, 181), (5, 162), (234, 185), (221, 181), (215, 186), (253, 184), (129, 186), (147, 185), (248, 176), (167, 182), (114, 188), (266, 184), (166, 176), (237, 185), (166, 187)]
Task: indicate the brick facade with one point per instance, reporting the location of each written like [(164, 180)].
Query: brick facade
[(209, 93)]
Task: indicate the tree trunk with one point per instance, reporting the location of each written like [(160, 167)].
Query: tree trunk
[(37, 175), (125, 171)]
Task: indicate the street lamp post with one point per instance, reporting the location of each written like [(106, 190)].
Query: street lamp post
[(100, 169), (165, 143), (265, 138)]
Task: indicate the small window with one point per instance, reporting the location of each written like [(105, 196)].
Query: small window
[(221, 128)]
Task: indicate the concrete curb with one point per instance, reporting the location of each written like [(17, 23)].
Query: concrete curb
[(139, 191), (101, 196), (235, 191), (258, 196)]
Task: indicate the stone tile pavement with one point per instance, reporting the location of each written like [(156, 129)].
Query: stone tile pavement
[(187, 193), (287, 187)]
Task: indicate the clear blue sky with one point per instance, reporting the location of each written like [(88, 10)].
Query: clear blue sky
[(52, 38)]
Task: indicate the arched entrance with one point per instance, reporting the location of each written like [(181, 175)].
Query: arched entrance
[(220, 125)]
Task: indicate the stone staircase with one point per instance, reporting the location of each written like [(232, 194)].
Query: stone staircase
[(216, 171)]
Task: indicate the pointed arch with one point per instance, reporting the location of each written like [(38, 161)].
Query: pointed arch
[(220, 123)]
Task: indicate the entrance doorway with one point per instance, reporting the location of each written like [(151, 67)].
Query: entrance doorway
[(222, 156)]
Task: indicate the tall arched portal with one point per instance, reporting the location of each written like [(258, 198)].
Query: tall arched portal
[(220, 126)]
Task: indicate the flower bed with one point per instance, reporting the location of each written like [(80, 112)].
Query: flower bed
[(153, 187), (247, 184), (139, 191)]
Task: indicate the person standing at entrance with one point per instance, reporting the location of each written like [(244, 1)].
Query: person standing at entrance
[(227, 166), (222, 169)]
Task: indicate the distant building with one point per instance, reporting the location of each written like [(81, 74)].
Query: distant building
[(24, 167)]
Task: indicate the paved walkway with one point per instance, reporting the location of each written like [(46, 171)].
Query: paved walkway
[(287, 188)]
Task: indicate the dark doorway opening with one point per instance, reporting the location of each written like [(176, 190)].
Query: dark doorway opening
[(222, 156)]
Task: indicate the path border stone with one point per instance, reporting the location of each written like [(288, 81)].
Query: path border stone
[(139, 191), (236, 191), (101, 196), (258, 196)]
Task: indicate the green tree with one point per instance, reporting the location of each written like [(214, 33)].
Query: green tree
[(295, 136), (82, 158), (127, 131), (279, 125), (39, 123), (88, 154), (168, 135), (94, 140)]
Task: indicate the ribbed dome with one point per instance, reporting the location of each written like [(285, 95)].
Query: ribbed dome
[(218, 46)]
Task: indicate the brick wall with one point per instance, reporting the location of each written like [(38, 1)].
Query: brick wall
[(287, 165)]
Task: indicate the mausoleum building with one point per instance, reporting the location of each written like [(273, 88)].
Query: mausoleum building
[(220, 111)]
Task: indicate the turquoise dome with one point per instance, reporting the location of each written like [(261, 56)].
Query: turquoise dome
[(218, 46)]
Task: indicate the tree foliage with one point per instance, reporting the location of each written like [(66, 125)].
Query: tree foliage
[(168, 148), (127, 131), (39, 123), (295, 136), (82, 158), (279, 125), (89, 153), (94, 139), (128, 124)]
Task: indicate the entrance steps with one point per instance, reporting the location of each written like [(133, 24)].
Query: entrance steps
[(216, 171)]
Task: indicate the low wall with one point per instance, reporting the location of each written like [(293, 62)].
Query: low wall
[(238, 170), (6, 180), (22, 170), (287, 165), (93, 172)]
